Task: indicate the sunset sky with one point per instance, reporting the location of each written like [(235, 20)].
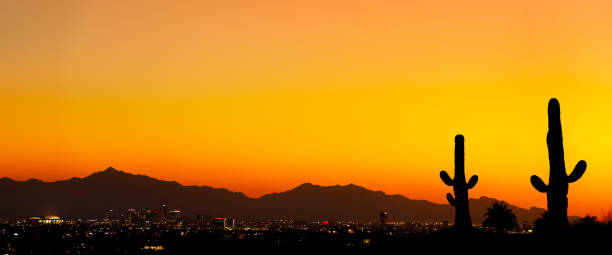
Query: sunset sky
[(261, 96)]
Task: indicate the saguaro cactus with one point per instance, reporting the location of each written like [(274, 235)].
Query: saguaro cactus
[(558, 180), (460, 187)]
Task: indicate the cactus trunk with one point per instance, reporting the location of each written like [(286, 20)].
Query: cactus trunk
[(460, 187), (462, 207), (558, 180)]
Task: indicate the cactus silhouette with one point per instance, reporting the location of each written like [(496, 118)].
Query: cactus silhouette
[(460, 187), (558, 180)]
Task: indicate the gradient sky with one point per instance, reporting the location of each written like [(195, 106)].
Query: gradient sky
[(261, 96)]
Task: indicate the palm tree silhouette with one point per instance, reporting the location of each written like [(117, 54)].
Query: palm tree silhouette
[(499, 217)]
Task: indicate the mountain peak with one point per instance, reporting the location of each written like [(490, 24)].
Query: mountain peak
[(111, 169), (354, 186), (6, 180), (305, 186), (110, 172)]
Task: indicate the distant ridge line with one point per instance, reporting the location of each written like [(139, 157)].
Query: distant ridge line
[(92, 195)]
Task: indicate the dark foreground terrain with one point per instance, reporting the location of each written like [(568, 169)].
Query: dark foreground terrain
[(83, 239)]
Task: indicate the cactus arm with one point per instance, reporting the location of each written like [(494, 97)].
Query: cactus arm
[(472, 182), (450, 198), (538, 184), (446, 178), (578, 171)]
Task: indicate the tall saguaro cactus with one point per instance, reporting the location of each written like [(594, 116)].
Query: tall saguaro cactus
[(558, 180), (460, 187)]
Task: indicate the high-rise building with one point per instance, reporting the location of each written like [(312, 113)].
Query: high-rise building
[(219, 223), (175, 217), (109, 215), (133, 216), (383, 218), (149, 216), (164, 214)]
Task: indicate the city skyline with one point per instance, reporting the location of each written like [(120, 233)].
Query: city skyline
[(261, 97)]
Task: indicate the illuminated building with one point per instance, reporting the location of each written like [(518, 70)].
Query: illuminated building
[(133, 216), (109, 215), (153, 247), (163, 214), (149, 216), (35, 220), (52, 220), (175, 216), (383, 218), (219, 223), (201, 220)]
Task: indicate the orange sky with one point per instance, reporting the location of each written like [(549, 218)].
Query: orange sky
[(260, 96)]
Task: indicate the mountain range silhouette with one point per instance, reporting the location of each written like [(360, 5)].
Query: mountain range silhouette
[(91, 196)]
